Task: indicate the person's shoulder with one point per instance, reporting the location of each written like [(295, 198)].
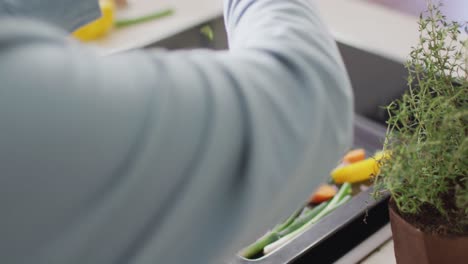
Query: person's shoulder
[(15, 31), (33, 53)]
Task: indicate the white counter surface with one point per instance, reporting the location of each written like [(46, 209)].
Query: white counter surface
[(371, 27), (188, 13), (354, 22)]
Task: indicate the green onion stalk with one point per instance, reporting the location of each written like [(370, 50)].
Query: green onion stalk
[(343, 196), (138, 20), (296, 224)]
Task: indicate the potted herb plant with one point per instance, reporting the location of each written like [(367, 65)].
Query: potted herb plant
[(426, 171)]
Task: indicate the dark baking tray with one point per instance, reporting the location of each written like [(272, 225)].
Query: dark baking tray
[(345, 228)]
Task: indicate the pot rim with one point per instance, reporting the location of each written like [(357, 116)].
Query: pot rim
[(396, 214)]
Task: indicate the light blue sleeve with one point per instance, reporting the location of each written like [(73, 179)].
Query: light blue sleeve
[(179, 157), (66, 14)]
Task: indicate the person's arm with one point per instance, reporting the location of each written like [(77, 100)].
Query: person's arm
[(107, 150)]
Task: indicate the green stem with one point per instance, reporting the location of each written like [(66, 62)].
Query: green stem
[(294, 225), (303, 220), (207, 31), (270, 237), (288, 221), (133, 21), (257, 247), (343, 201), (343, 194)]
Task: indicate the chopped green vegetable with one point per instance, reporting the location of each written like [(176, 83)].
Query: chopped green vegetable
[(304, 219), (296, 224), (343, 195), (289, 221), (207, 31), (257, 247), (153, 16), (343, 201), (280, 242), (270, 237)]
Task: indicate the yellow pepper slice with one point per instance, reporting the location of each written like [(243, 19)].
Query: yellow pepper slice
[(99, 27), (359, 171)]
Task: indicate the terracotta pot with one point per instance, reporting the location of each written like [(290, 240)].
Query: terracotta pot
[(412, 246)]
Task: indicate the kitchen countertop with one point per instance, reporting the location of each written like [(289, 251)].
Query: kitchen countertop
[(188, 13), (358, 23), (382, 255), (371, 27), (380, 246)]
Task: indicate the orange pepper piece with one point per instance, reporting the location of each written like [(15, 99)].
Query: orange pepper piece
[(355, 156), (324, 193)]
